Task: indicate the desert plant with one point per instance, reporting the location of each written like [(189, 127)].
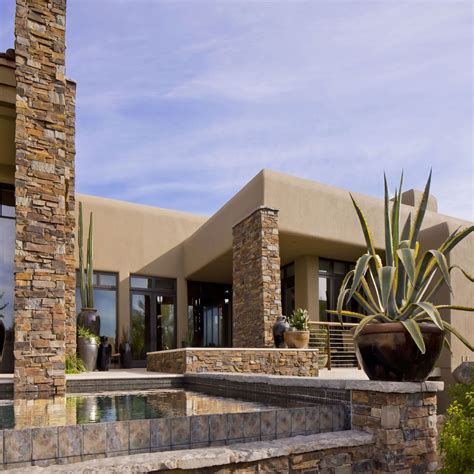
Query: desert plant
[(74, 364), (401, 290), (86, 286), (457, 435), (299, 320), (85, 333)]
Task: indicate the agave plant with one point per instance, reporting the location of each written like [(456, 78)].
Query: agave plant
[(401, 289), (86, 286)]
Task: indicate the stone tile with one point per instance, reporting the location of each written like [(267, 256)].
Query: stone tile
[(390, 417), (338, 417), (93, 437), (1, 449), (235, 426), (114, 454), (17, 446), (268, 424), (117, 435), (217, 427), (325, 418), (139, 451), (199, 429), (180, 431), (160, 433), (44, 462), (69, 460), (139, 434), (45, 443), (70, 441), (283, 423), (298, 421), (312, 420), (251, 425), (92, 457), (17, 465)]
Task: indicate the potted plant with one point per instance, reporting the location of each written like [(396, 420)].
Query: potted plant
[(401, 335), (88, 347), (297, 336), (125, 350), (188, 340), (88, 317)]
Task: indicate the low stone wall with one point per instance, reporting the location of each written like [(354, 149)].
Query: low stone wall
[(293, 362)]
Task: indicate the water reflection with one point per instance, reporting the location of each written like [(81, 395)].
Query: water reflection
[(95, 408)]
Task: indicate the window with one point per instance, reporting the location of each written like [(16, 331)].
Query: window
[(105, 301), (288, 289)]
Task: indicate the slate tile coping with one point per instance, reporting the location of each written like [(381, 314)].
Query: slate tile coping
[(202, 458)]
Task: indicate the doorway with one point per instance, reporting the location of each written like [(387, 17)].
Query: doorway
[(153, 316)]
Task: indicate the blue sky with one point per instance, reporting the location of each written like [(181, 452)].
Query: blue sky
[(180, 103)]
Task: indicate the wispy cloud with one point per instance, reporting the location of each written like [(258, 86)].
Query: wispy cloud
[(180, 103)]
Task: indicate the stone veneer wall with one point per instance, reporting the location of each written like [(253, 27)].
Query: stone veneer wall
[(40, 186), (297, 362), (70, 183), (256, 279), (404, 425)]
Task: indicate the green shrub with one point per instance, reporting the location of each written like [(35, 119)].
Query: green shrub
[(457, 436), (85, 333), (74, 364), (299, 320)]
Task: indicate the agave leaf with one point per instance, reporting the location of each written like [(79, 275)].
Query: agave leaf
[(396, 217), (443, 266), (453, 306), (420, 213), (407, 257), (363, 322), (89, 269), (454, 239), (360, 270), (82, 283), (342, 294), (454, 331), (414, 330), (366, 231), (346, 313), (364, 303), (405, 235), (388, 226), (432, 312), (386, 277), (404, 244), (447, 344), (368, 293), (467, 275)]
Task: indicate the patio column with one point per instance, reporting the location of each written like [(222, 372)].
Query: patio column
[(44, 197), (306, 285), (256, 278)]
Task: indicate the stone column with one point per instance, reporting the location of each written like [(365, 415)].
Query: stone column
[(402, 416), (256, 279), (70, 256), (41, 194)]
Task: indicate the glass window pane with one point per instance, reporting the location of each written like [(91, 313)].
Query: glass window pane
[(166, 318), (140, 306), (8, 203), (340, 268), (106, 303), (324, 265), (140, 282), (323, 298), (165, 283), (106, 279)]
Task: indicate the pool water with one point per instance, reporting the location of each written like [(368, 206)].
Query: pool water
[(113, 406)]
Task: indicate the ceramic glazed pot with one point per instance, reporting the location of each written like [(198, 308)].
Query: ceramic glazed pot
[(125, 355), (88, 350), (279, 329), (105, 354), (296, 339), (89, 318), (387, 352)]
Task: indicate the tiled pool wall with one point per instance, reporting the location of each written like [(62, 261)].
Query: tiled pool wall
[(74, 443)]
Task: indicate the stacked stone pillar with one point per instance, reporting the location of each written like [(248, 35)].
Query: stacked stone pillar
[(403, 422), (43, 197), (256, 279)]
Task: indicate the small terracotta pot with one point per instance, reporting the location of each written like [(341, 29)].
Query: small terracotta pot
[(296, 339), (386, 351)]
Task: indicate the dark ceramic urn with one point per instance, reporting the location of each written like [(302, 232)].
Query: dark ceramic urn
[(125, 355), (279, 328), (105, 354), (387, 352)]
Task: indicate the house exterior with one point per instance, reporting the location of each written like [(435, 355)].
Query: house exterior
[(163, 276)]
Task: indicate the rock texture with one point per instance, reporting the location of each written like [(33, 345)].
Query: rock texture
[(256, 279), (296, 362), (404, 426), (43, 168)]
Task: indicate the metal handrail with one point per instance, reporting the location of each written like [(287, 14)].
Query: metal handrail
[(335, 341)]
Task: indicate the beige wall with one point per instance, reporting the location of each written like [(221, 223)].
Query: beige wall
[(135, 239), (306, 285)]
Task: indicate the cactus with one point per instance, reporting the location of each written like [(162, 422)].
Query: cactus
[(85, 274)]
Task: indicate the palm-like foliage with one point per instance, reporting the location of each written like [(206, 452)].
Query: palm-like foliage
[(86, 286), (401, 290)]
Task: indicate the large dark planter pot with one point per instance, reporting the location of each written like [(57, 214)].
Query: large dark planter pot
[(88, 350), (125, 355), (89, 319), (105, 354), (279, 328), (387, 352), (3, 336)]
